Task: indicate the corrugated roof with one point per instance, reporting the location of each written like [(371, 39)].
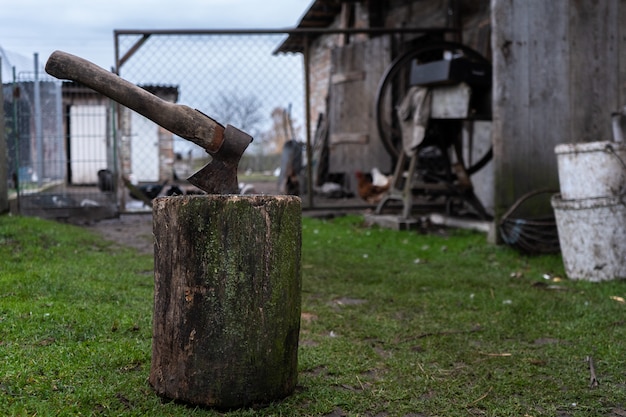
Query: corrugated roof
[(320, 14)]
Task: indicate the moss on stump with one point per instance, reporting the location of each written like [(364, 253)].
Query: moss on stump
[(227, 298)]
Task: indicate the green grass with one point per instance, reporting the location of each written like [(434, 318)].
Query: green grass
[(394, 324)]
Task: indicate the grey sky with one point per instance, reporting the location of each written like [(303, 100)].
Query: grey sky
[(85, 28)]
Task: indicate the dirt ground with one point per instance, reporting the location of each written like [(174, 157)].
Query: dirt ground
[(135, 229)]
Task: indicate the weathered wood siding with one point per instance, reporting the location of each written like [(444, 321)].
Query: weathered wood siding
[(346, 75), (356, 70), (594, 56), (556, 80)]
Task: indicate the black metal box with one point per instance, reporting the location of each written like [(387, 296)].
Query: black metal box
[(451, 72)]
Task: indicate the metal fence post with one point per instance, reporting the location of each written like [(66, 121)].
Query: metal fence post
[(4, 192), (307, 104), (38, 127)]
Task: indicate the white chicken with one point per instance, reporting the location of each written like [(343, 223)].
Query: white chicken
[(373, 186)]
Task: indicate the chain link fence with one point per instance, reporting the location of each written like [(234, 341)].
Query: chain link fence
[(55, 147), (73, 153), (235, 78)]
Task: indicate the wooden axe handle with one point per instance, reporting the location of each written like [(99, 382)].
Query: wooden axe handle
[(179, 119)]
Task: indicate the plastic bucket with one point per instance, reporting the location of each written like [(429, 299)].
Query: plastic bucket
[(591, 170), (592, 236)]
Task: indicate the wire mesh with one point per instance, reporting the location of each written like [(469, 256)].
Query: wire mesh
[(234, 78), (71, 150), (54, 148)]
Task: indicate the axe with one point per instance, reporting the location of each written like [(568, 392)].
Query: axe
[(225, 145)]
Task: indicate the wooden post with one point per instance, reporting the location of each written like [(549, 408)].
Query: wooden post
[(227, 298)]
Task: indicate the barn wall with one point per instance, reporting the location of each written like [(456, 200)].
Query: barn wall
[(594, 57), (621, 46), (354, 144), (319, 75), (354, 140), (424, 13), (476, 26), (556, 80), (474, 20)]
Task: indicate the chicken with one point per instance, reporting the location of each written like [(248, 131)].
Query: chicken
[(174, 190), (379, 179), (372, 187), (148, 191)]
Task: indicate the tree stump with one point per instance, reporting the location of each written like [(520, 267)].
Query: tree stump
[(227, 299)]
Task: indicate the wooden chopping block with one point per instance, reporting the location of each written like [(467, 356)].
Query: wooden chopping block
[(227, 273)]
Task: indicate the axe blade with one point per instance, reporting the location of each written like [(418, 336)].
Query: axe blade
[(220, 175)]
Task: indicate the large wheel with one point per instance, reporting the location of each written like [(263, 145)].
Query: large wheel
[(395, 83)]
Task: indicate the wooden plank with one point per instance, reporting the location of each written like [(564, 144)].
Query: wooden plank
[(510, 99), (594, 63), (531, 107), (352, 125), (348, 137), (347, 77), (548, 97), (621, 51)]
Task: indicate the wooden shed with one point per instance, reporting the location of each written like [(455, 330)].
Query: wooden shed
[(348, 62), (559, 71)]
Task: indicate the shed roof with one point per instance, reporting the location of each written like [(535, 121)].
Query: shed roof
[(320, 14)]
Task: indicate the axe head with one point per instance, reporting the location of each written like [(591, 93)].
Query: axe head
[(220, 175)]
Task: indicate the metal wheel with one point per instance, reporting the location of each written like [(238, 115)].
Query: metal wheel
[(395, 83)]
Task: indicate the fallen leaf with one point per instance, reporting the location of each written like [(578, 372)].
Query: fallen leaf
[(618, 299), (47, 341)]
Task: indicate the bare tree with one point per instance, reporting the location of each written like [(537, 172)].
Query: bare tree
[(238, 109), (281, 131)]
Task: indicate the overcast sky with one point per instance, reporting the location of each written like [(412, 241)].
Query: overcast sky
[(85, 28)]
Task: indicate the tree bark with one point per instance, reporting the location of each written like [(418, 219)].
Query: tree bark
[(227, 298)]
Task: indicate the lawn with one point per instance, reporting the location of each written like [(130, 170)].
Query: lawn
[(393, 324)]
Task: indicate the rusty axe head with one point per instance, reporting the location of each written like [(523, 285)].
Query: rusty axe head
[(220, 175)]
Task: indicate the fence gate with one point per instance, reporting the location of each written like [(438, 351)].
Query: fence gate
[(59, 136)]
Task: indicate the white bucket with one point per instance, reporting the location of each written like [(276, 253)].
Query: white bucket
[(592, 169), (592, 236)]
